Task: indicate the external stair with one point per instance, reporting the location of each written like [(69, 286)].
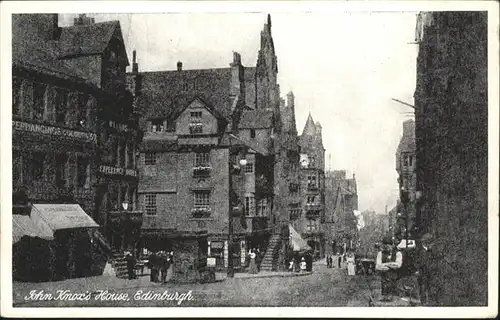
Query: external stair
[(270, 261)]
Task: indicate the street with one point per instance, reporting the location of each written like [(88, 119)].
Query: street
[(323, 288)]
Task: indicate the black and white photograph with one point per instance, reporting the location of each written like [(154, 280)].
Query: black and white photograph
[(338, 158)]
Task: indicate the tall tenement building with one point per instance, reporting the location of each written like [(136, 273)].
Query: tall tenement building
[(407, 176), (341, 199), (216, 146), (75, 130), (312, 176), (451, 117)]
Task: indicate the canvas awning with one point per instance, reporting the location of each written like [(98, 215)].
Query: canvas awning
[(24, 226), (60, 216), (298, 243)]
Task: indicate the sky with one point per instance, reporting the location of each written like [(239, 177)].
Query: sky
[(343, 67)]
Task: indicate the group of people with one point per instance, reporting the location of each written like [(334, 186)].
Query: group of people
[(254, 259), (159, 263), (349, 258), (300, 263)]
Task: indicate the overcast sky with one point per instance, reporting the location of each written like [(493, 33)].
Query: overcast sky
[(344, 68)]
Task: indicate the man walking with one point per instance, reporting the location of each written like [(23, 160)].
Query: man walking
[(389, 261)]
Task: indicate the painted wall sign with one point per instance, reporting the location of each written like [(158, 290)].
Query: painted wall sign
[(118, 126), (117, 171), (54, 131)]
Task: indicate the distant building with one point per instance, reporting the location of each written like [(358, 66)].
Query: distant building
[(341, 199), (312, 176), (451, 116), (407, 176)]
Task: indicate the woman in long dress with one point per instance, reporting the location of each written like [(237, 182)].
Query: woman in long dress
[(253, 265), (351, 264)]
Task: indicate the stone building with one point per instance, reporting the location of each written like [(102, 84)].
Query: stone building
[(200, 125), (312, 186), (407, 176), (451, 117), (341, 199), (69, 100)]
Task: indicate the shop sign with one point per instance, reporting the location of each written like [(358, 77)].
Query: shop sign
[(118, 126), (109, 170), (54, 131)]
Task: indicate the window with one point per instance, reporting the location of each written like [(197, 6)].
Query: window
[(185, 86), (294, 214), (150, 204), (38, 162), (16, 96), (157, 125), (39, 101), (61, 104), (261, 207), (83, 110), (405, 161), (170, 125), (61, 161), (130, 155), (311, 181), (201, 198), (196, 115), (249, 206), (124, 195), (312, 225), (150, 158), (252, 133), (202, 159), (249, 167), (121, 154), (112, 199), (410, 161), (195, 128), (82, 167), (310, 199)]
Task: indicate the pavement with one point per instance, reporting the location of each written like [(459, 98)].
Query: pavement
[(324, 287)]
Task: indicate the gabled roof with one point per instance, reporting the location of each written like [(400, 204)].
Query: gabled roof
[(256, 119), (165, 93), (87, 39), (206, 104)]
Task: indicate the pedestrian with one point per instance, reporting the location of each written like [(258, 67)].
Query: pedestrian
[(253, 265), (351, 263), (291, 265), (153, 267), (339, 260), (425, 268), (303, 265), (130, 265), (389, 261)]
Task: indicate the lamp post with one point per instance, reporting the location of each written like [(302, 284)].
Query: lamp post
[(242, 163)]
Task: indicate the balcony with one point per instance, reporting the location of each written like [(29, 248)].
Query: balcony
[(313, 206), (313, 214), (202, 171), (201, 212), (312, 187)]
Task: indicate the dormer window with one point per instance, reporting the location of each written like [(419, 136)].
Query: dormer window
[(157, 125), (196, 126)]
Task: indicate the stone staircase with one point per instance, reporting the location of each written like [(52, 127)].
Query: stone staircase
[(119, 264), (270, 261)]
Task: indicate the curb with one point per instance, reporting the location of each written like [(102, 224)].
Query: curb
[(275, 276)]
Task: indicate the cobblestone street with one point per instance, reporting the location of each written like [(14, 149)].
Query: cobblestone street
[(323, 288)]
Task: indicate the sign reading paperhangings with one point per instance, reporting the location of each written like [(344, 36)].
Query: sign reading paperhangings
[(54, 131)]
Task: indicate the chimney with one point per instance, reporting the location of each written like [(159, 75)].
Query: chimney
[(135, 65), (409, 128), (179, 66), (236, 59), (83, 20), (290, 99)]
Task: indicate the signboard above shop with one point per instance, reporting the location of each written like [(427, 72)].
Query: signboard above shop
[(117, 171), (54, 131)]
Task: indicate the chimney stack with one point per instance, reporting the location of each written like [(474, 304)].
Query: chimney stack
[(83, 20), (179, 66), (135, 65), (236, 59)]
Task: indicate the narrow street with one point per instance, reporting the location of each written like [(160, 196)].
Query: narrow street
[(323, 288)]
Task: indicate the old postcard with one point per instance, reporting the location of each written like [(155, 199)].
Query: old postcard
[(303, 158)]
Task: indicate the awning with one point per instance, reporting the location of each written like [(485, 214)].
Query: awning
[(61, 216), (24, 226), (298, 243)]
